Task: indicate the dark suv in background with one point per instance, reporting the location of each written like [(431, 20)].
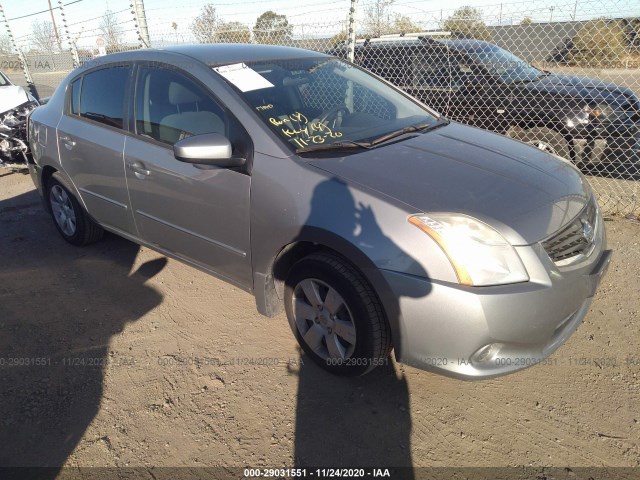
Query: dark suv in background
[(478, 83)]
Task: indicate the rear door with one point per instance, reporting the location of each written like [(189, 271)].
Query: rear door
[(198, 213), (91, 144)]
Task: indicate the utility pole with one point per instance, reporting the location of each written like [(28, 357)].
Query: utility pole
[(55, 27), (141, 23), (551, 9)]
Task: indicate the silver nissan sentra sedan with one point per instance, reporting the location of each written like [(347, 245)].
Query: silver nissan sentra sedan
[(376, 223)]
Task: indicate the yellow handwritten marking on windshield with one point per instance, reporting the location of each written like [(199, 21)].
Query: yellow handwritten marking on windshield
[(301, 132), (294, 117), (264, 107), (293, 133)]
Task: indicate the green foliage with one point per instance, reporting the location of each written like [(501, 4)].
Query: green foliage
[(469, 22), (271, 28), (599, 42)]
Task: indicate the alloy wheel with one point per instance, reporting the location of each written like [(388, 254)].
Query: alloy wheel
[(324, 320), (63, 212)]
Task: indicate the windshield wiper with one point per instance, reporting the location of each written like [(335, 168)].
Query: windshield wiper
[(411, 128), (333, 146)]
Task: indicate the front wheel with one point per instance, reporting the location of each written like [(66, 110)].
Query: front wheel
[(336, 316), (71, 220)]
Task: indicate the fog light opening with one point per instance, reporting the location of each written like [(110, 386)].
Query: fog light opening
[(486, 354)]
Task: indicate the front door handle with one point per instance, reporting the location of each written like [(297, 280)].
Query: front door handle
[(139, 170), (68, 142)]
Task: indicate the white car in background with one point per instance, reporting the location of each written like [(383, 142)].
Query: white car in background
[(15, 106)]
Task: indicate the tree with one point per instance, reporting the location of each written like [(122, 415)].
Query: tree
[(377, 20), (600, 42), (338, 40), (204, 25), (6, 46), (272, 28), (526, 21), (233, 32), (468, 21), (44, 36), (111, 30), (402, 24)]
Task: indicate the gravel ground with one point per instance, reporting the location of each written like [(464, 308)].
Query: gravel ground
[(141, 361)]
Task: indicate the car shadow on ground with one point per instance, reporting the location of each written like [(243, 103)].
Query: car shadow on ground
[(364, 421), (59, 308), (357, 422)]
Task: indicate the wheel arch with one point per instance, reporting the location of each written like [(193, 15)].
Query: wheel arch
[(45, 176), (269, 286)]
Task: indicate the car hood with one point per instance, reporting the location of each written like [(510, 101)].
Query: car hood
[(524, 193), (12, 96), (593, 90)]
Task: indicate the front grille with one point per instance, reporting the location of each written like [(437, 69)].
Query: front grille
[(575, 238)]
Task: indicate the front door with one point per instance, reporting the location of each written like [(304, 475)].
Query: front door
[(200, 214)]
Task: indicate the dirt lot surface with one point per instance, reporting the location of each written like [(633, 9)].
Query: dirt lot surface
[(140, 361)]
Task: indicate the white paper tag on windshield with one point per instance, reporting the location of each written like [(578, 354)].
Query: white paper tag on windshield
[(243, 77)]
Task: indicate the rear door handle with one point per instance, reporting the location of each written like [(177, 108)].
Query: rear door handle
[(139, 170), (68, 142)]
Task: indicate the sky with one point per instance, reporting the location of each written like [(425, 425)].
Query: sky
[(311, 18)]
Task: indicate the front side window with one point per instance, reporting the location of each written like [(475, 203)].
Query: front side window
[(170, 107), (103, 95), (321, 101)]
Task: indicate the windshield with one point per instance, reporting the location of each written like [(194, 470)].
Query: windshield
[(322, 101), (505, 64)]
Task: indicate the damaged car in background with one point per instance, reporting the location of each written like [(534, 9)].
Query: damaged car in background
[(15, 106)]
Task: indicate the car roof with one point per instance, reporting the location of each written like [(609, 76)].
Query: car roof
[(218, 53), (466, 44)]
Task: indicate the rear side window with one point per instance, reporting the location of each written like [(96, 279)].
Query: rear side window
[(433, 68), (102, 96)]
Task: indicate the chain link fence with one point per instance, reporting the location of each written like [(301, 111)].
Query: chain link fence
[(563, 76)]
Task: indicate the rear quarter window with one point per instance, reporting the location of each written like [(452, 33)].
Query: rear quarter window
[(102, 98), (74, 105)]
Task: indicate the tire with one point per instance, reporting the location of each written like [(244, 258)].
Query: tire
[(69, 217), (336, 316), (544, 139)]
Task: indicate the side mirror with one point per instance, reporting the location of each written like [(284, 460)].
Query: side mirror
[(207, 149)]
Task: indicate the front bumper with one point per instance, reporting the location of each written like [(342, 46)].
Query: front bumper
[(450, 329), (615, 142)]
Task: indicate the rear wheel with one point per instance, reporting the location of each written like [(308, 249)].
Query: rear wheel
[(336, 316), (71, 220)]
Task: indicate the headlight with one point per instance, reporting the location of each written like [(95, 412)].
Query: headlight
[(599, 111), (479, 255)]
